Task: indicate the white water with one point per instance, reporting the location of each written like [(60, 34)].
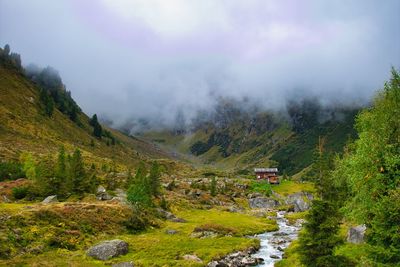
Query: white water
[(271, 241)]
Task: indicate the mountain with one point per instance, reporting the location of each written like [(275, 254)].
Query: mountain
[(240, 138), (26, 101)]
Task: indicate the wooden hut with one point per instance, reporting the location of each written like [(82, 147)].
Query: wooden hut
[(268, 174)]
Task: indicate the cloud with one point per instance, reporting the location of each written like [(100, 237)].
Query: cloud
[(152, 58)]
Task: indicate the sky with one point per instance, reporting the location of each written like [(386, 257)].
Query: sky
[(149, 59)]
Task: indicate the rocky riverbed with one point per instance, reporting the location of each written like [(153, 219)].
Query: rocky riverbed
[(273, 243)]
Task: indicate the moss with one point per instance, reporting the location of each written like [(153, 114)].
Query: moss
[(290, 187)]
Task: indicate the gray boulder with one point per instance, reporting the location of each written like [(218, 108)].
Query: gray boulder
[(108, 249), (356, 234), (50, 199), (102, 194), (263, 203), (300, 201), (192, 258)]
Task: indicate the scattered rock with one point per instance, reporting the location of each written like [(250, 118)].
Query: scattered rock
[(102, 193), (50, 199), (263, 202), (356, 234), (6, 199), (274, 257), (169, 216), (191, 258), (123, 264), (108, 249), (171, 232)]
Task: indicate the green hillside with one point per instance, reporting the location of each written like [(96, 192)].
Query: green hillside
[(246, 140), (26, 127)]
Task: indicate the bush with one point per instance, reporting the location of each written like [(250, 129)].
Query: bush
[(20, 192), (261, 187), (11, 171)]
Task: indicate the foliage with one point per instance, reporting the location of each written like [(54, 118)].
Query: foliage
[(262, 187), (154, 179), (97, 129), (139, 191), (319, 237), (11, 170), (20, 192), (371, 169), (213, 187)]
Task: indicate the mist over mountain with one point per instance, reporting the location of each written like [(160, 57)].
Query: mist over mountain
[(124, 63)]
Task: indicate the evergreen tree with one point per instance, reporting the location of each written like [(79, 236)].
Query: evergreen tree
[(47, 102), (139, 192), (77, 172), (63, 185), (97, 129), (213, 187), (154, 179)]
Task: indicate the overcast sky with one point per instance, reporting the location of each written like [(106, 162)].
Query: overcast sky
[(149, 58)]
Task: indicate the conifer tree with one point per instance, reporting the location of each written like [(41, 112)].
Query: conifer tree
[(154, 179), (97, 129), (77, 172), (213, 187), (139, 192)]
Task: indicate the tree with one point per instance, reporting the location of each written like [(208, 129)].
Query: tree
[(77, 172), (47, 102), (154, 179), (97, 130), (213, 187), (139, 192), (6, 49), (372, 171), (63, 184)]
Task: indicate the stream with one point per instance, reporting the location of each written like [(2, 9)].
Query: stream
[(273, 243)]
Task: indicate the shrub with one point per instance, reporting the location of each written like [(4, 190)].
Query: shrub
[(20, 192), (11, 171)]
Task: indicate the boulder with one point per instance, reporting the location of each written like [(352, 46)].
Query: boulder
[(123, 264), (108, 249), (356, 234), (170, 216), (263, 202), (50, 199), (300, 201), (191, 258), (171, 232), (102, 194)]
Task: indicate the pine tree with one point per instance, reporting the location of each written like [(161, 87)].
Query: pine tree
[(154, 179), (97, 129), (47, 102), (63, 185), (213, 187), (77, 172), (139, 192)]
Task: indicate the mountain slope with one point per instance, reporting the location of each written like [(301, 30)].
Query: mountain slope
[(25, 127)]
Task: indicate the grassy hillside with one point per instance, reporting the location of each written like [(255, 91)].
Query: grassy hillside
[(25, 127)]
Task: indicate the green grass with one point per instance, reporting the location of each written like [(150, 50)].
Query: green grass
[(290, 187), (151, 248)]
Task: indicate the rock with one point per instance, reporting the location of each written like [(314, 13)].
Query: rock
[(300, 201), (246, 261), (191, 258), (356, 234), (171, 231), (102, 194), (123, 264), (274, 257), (6, 199), (170, 217), (50, 199), (263, 202), (108, 249)]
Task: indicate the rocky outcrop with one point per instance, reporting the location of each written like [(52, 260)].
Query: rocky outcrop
[(356, 234), (300, 201), (50, 199), (237, 259), (108, 249), (263, 203)]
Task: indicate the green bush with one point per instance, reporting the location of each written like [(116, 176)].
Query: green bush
[(11, 171), (20, 192), (262, 187)]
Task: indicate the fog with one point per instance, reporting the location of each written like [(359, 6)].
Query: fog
[(153, 59)]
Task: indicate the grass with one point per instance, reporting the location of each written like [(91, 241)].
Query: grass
[(151, 248), (294, 216), (290, 187)]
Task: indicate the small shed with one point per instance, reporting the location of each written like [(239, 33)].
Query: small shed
[(269, 174)]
